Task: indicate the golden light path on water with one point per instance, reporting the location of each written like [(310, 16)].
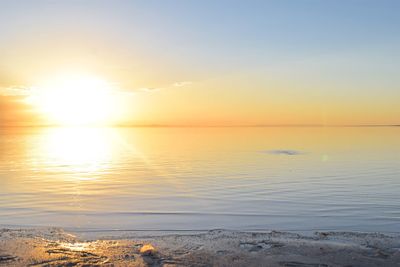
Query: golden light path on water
[(86, 153), (87, 150)]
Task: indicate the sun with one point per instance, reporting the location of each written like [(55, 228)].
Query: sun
[(76, 100)]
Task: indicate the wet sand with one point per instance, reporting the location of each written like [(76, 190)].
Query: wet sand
[(55, 247)]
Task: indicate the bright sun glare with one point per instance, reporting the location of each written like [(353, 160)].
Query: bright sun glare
[(80, 149), (76, 100)]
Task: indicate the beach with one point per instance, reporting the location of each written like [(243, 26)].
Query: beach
[(56, 247)]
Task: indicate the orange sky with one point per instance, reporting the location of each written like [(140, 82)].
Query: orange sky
[(201, 63)]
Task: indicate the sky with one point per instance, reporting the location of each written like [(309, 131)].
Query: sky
[(185, 62)]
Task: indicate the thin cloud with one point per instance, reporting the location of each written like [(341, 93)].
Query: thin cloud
[(183, 83), (15, 91), (149, 89), (27, 91), (157, 89), (135, 91)]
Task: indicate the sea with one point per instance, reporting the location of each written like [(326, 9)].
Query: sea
[(201, 178)]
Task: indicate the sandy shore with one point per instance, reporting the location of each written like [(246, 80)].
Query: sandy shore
[(55, 247)]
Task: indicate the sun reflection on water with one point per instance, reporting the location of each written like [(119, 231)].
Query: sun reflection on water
[(77, 150)]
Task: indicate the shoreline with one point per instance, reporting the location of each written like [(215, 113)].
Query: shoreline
[(56, 247)]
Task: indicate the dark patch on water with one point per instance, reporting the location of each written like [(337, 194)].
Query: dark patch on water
[(283, 152)]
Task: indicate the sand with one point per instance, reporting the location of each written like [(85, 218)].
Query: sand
[(55, 247)]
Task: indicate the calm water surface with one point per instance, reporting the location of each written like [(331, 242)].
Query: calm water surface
[(201, 178)]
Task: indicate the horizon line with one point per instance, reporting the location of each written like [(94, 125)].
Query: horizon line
[(199, 126)]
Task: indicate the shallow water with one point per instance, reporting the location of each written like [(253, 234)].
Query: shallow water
[(201, 178)]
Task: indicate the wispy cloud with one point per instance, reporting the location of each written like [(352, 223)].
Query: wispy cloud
[(134, 91), (157, 89), (183, 83), (15, 91), (149, 89), (27, 91)]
